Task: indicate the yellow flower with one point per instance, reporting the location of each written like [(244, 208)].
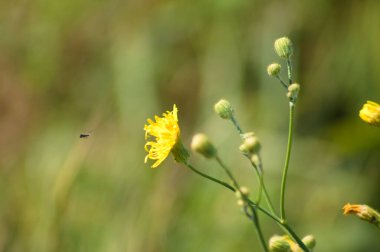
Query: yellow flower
[(165, 131), (364, 212), (370, 113)]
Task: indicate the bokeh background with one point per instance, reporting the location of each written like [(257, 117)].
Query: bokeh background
[(76, 66)]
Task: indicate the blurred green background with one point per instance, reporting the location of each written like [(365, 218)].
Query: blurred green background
[(75, 66)]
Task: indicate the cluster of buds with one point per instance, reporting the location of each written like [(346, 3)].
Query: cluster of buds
[(241, 195), (284, 49), (285, 244)]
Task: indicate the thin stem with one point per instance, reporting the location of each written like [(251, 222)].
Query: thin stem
[(261, 185), (210, 178), (258, 176), (289, 65), (237, 126), (283, 225), (282, 82), (295, 237), (258, 169), (254, 218), (234, 181), (287, 159), (266, 212), (264, 190), (253, 204)]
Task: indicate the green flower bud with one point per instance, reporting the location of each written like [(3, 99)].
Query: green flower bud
[(201, 144), (293, 91), (284, 47), (224, 109), (274, 69), (250, 145), (279, 244), (309, 241)]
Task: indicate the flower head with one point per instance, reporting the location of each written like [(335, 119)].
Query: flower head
[(293, 91), (224, 109), (274, 69), (370, 113), (364, 212), (165, 131), (283, 47), (251, 144)]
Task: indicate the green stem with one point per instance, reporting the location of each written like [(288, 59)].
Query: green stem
[(253, 204), (237, 126), (234, 181), (260, 176), (283, 225), (254, 218), (210, 178), (295, 237), (282, 82), (287, 159), (226, 185), (264, 211), (261, 185), (258, 170), (289, 65)]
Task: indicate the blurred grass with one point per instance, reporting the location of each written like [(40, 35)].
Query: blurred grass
[(70, 67)]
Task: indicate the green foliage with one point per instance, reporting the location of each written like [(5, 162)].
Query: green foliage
[(75, 66)]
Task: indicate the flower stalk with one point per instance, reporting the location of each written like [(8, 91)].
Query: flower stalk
[(164, 138), (287, 159)]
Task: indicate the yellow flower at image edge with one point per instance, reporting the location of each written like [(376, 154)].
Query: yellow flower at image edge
[(370, 113), (166, 134), (364, 212)]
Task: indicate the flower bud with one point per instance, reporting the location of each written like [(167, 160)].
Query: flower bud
[(256, 160), (248, 134), (250, 145), (279, 244), (370, 113), (224, 109), (201, 144), (243, 191), (309, 241), (293, 91), (240, 203), (274, 69), (364, 212), (283, 47)]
